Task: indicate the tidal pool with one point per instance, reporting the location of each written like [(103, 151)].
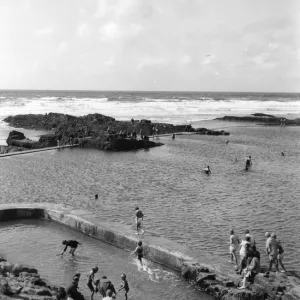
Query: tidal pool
[(38, 243)]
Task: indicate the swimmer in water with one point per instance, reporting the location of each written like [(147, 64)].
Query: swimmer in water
[(139, 251), (227, 142), (96, 197), (207, 170), (282, 153)]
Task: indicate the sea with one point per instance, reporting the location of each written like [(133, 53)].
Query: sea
[(179, 200)]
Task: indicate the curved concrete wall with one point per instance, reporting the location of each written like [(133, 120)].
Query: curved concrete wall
[(156, 248)]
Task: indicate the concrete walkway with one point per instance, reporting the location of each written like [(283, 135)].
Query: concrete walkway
[(36, 150)]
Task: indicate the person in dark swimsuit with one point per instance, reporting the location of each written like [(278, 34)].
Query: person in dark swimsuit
[(139, 217), (139, 251), (124, 286), (91, 280), (72, 244)]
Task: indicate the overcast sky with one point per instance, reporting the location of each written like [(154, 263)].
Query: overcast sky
[(215, 45)]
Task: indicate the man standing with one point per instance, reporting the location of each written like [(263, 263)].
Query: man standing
[(139, 217), (233, 245), (272, 250)]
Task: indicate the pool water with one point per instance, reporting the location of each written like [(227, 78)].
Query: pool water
[(38, 243)]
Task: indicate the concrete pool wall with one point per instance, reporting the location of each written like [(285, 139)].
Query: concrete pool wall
[(156, 248)]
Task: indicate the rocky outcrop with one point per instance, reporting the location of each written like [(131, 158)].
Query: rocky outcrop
[(211, 132), (9, 149), (224, 285), (262, 119), (21, 282)]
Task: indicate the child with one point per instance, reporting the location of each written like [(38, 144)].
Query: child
[(280, 256), (124, 286), (139, 251), (90, 282)]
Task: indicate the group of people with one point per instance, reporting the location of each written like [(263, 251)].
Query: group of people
[(104, 286), (249, 264)]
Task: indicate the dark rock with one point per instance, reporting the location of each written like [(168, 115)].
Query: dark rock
[(43, 292), (203, 276)]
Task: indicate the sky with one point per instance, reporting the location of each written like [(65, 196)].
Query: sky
[(197, 45)]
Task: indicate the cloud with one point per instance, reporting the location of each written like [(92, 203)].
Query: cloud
[(83, 30), (149, 62), (62, 47), (110, 31), (44, 31), (186, 59), (110, 62)]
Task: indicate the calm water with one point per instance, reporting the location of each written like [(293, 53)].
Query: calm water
[(167, 182), (154, 282)]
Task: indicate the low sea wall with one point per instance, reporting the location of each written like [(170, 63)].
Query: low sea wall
[(220, 283)]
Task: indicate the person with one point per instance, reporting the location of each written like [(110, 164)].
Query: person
[(227, 142), (139, 217), (282, 153), (96, 197), (233, 243), (133, 134), (108, 296), (72, 244), (91, 276), (252, 240), (246, 168), (268, 236), (104, 285), (72, 290), (248, 162), (141, 133), (139, 251), (124, 286), (132, 121), (280, 256), (173, 136), (272, 250), (207, 170), (244, 248), (251, 271)]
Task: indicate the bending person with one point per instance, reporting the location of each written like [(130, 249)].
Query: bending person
[(72, 244)]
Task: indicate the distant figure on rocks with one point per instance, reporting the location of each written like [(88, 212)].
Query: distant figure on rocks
[(139, 217), (234, 241), (272, 250), (207, 170), (282, 153), (124, 285), (139, 251), (96, 197), (91, 280), (251, 271), (280, 256), (141, 133), (72, 244), (132, 121), (173, 136), (252, 240)]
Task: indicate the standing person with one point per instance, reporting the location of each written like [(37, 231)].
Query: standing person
[(139, 217), (141, 133), (268, 236), (252, 240), (96, 197), (234, 242), (132, 121), (173, 136), (72, 244), (139, 251), (272, 250), (280, 256), (244, 248), (124, 285), (91, 280), (105, 284)]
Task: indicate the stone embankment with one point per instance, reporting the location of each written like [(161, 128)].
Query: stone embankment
[(20, 282), (222, 283), (262, 119)]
